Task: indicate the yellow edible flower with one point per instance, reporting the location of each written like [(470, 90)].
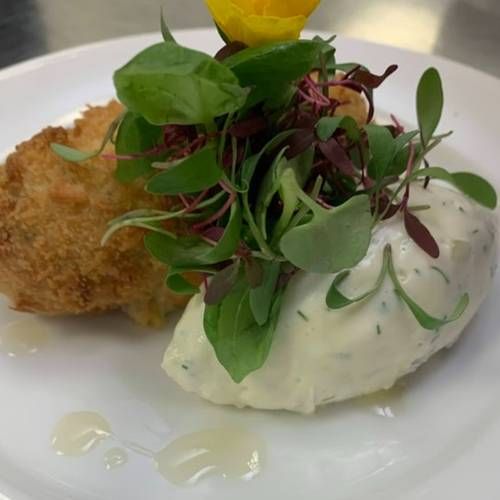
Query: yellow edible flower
[(256, 22)]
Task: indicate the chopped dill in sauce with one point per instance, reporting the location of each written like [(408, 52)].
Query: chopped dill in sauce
[(379, 329), (302, 315), (442, 273)]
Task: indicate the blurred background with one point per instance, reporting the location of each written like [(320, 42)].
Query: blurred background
[(464, 30)]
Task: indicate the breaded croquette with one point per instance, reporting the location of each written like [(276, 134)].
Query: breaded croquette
[(53, 215)]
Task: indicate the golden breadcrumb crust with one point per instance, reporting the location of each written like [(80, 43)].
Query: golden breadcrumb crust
[(53, 215)]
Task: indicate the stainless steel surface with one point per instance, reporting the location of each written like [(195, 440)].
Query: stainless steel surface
[(464, 30)]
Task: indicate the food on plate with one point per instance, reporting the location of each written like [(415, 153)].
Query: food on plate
[(321, 355), (324, 255), (53, 215)]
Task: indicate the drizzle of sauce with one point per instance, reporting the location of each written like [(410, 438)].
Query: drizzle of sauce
[(227, 452), (115, 457), (77, 433), (388, 403), (23, 337), (230, 453)]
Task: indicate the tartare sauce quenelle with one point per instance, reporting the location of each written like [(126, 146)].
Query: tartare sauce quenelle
[(321, 355)]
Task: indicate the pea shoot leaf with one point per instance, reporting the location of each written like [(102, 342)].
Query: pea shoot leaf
[(228, 244), (75, 156), (135, 136), (424, 319), (336, 300), (167, 83), (430, 101), (328, 125), (256, 66), (240, 344), (181, 252), (165, 31), (333, 240), (222, 283), (261, 297), (382, 150), (474, 186), (196, 173)]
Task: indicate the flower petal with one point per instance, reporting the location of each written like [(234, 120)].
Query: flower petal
[(290, 8), (258, 30)]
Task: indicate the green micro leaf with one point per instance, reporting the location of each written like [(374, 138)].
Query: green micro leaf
[(424, 319), (298, 171), (165, 31), (184, 252), (228, 244), (328, 125), (336, 300), (274, 63), (196, 173), (75, 156), (382, 150), (222, 283), (240, 344), (269, 186), (430, 101), (179, 284), (474, 186), (167, 83), (261, 298), (333, 240), (134, 136)]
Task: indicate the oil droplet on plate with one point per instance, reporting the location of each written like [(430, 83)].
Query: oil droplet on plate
[(230, 453), (77, 433), (115, 457), (388, 403), (23, 337)]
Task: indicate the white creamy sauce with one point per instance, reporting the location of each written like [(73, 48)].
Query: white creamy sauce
[(321, 355)]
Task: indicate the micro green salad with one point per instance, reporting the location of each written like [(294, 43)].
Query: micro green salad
[(264, 180)]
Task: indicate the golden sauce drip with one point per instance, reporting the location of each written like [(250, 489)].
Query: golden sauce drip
[(115, 457), (77, 433), (23, 337), (230, 453)]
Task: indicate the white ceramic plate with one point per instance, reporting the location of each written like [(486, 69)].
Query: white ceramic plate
[(442, 440)]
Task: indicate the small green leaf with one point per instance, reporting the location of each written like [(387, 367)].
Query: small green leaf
[(228, 244), (257, 66), (167, 83), (476, 187), (269, 186), (222, 284), (240, 344), (196, 173), (165, 31), (136, 135), (424, 319), (176, 252), (336, 300), (261, 298), (430, 101), (73, 155), (180, 285), (333, 240), (382, 150), (328, 125), (472, 185)]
